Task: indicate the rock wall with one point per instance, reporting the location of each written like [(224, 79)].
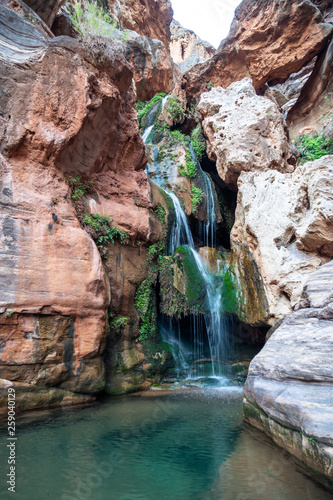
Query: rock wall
[(150, 18), (268, 41), (67, 113), (186, 48)]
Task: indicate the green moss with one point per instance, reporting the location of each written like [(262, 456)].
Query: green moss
[(118, 324), (196, 198), (143, 108), (313, 148), (229, 293), (199, 142), (195, 289)]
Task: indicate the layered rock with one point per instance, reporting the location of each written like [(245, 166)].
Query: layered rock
[(186, 48), (245, 132), (289, 391), (150, 18), (312, 112), (268, 40), (284, 222), (67, 113)]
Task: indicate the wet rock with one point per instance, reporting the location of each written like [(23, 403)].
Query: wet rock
[(187, 49), (289, 247), (268, 40), (245, 132)]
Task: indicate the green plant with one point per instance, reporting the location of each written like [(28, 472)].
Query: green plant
[(199, 142), (196, 198), (313, 148), (142, 108), (55, 201), (160, 213), (174, 109), (79, 187), (88, 18), (9, 313), (190, 165), (103, 232), (119, 324), (210, 86)]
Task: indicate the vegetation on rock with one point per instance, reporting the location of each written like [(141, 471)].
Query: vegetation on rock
[(196, 198), (89, 19), (143, 108), (199, 142), (174, 109), (313, 148)]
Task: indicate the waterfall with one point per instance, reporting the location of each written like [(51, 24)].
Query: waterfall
[(193, 359), (209, 227), (180, 232)]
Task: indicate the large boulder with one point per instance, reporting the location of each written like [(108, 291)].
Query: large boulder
[(150, 18), (289, 390), (285, 223), (67, 111), (186, 48), (268, 40), (245, 132)]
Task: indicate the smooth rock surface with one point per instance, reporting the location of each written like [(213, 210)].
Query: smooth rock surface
[(66, 112), (290, 382), (245, 132), (285, 221)]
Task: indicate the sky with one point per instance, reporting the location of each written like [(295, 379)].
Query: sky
[(209, 19)]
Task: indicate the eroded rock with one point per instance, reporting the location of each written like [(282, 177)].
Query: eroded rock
[(268, 40), (150, 18), (245, 132), (186, 48), (69, 112), (285, 222)]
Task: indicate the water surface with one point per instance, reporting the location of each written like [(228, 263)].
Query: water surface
[(187, 445)]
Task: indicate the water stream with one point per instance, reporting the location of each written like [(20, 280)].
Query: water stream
[(181, 235)]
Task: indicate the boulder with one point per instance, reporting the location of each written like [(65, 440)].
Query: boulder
[(285, 223), (289, 390), (268, 41), (245, 132), (186, 48), (150, 18)]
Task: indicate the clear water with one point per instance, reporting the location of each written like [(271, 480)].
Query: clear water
[(184, 446)]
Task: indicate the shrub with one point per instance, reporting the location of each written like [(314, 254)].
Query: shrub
[(88, 18), (313, 148), (174, 109)]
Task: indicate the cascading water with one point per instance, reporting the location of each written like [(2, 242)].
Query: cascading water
[(210, 225), (190, 359)]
